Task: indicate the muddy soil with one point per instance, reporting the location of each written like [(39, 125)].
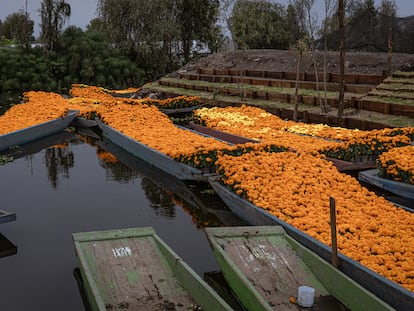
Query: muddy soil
[(282, 60)]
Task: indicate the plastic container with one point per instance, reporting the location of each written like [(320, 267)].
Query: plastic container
[(306, 296)]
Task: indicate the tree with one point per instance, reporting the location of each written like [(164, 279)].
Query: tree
[(341, 17), (18, 27), (150, 32), (329, 8), (301, 46), (53, 14), (293, 24), (259, 25), (197, 22)]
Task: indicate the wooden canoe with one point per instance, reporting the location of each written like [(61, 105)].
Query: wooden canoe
[(134, 269), (264, 266), (173, 111), (83, 122), (346, 166), (342, 166), (39, 144), (399, 188), (7, 216), (151, 156), (224, 136), (393, 294), (7, 248), (36, 132)]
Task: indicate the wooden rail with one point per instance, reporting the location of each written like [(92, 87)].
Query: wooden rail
[(372, 79), (331, 87), (353, 102)]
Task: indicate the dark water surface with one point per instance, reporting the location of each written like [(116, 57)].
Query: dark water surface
[(78, 187)]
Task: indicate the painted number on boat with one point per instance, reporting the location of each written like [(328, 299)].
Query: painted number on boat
[(257, 252), (122, 251)]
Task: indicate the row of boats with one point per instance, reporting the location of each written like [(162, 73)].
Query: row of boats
[(264, 263)]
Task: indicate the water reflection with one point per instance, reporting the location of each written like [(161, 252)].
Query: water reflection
[(58, 160), (78, 187), (161, 200)]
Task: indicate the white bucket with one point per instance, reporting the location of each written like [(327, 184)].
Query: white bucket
[(306, 296)]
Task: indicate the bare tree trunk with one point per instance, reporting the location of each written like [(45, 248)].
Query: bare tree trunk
[(341, 13), (295, 109), (389, 54)]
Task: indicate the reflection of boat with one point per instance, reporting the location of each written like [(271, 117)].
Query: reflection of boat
[(7, 216), (7, 248), (134, 269), (399, 188), (264, 267), (40, 144), (167, 182), (152, 156), (390, 292), (35, 132)]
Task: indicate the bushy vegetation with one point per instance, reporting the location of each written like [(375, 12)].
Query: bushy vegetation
[(82, 57)]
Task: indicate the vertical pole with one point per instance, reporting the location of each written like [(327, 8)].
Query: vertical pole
[(332, 207)]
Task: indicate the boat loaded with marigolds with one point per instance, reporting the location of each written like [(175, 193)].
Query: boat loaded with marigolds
[(267, 170)]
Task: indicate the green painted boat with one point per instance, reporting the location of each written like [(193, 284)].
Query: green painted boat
[(133, 269), (264, 266)]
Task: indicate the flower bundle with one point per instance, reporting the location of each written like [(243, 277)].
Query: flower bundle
[(334, 142), (94, 93), (397, 164), (38, 107), (296, 188), (367, 145), (246, 116), (208, 158)]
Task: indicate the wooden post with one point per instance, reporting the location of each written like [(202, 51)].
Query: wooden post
[(332, 207)]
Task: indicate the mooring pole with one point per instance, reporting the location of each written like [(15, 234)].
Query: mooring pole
[(332, 206)]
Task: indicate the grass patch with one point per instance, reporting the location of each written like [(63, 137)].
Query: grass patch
[(262, 88), (389, 99)]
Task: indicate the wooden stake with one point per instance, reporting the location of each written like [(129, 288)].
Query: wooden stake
[(332, 206)]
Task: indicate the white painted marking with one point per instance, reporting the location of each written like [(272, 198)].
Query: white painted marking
[(122, 251)]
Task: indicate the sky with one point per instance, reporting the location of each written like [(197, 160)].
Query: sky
[(85, 10)]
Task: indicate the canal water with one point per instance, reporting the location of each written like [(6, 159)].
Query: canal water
[(68, 183)]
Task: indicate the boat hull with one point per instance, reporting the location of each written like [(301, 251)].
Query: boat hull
[(265, 267), (36, 132), (134, 269), (398, 188), (151, 156), (390, 292), (7, 216)]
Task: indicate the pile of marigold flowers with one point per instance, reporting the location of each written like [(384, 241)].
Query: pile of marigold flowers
[(38, 107), (293, 187), (335, 142), (397, 164)]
